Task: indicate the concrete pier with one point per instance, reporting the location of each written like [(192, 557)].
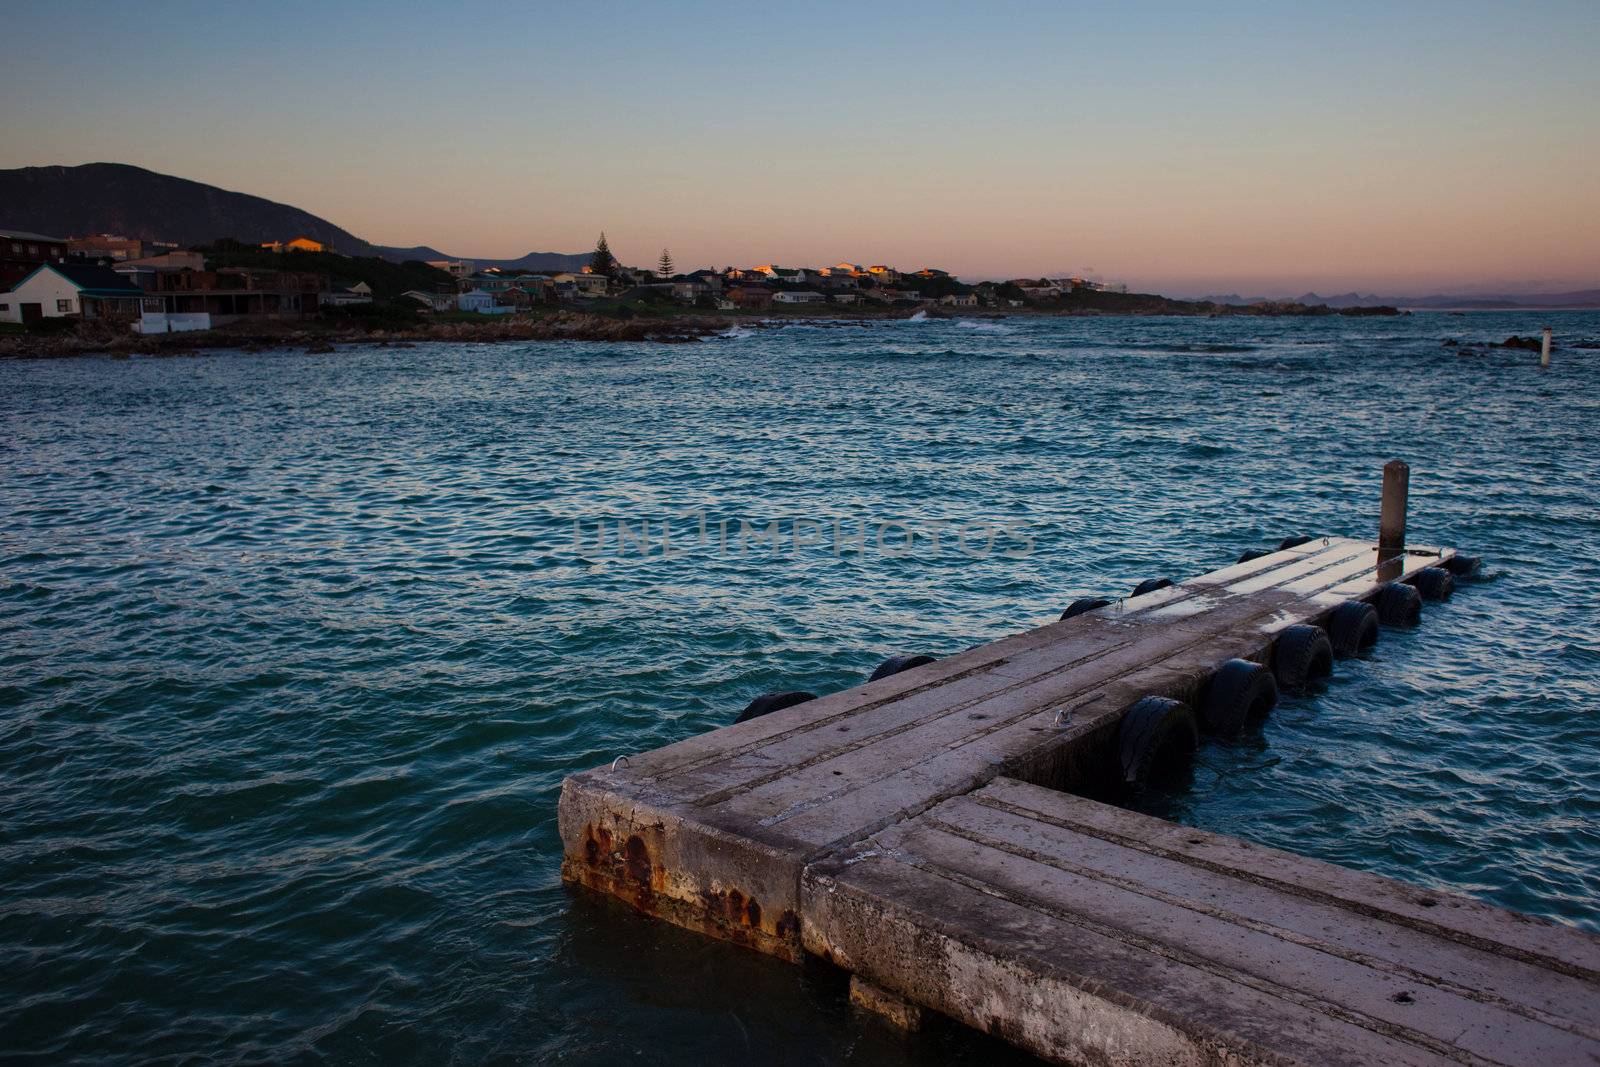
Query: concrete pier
[(1088, 934), (789, 834)]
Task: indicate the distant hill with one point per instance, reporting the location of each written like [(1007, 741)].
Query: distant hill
[(1582, 298), (128, 200)]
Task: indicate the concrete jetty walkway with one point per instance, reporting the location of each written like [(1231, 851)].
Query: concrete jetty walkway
[(796, 832)]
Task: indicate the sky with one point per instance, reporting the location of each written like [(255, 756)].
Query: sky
[(1262, 149)]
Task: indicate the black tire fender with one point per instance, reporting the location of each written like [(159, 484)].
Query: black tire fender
[(767, 703), (1398, 604), (1150, 585), (1081, 605), (1254, 553), (1294, 542), (1463, 566), (1352, 628), (1434, 583), (896, 664), (1239, 693), (1156, 734), (1300, 656)]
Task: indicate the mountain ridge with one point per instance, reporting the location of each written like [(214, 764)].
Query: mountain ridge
[(136, 202)]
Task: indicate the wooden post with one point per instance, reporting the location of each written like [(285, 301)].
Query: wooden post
[(1544, 349), (1392, 518)]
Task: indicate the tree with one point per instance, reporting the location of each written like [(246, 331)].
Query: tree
[(602, 262), (664, 268)]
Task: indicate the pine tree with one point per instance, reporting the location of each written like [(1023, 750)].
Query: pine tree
[(665, 267), (602, 262)]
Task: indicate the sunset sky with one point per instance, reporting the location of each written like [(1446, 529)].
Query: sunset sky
[(1251, 148)]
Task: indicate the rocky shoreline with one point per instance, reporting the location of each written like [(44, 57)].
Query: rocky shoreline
[(102, 338), (321, 336)]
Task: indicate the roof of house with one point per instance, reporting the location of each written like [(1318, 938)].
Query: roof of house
[(91, 279), (24, 235)]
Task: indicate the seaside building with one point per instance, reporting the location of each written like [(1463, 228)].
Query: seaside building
[(113, 246), (456, 268), (798, 296), (299, 244), (341, 295), (482, 302), (430, 301), (200, 299), (21, 253), (62, 290), (750, 296)]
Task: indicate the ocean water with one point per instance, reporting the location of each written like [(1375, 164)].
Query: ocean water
[(296, 650)]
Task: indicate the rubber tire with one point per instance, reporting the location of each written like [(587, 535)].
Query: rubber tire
[(1150, 585), (1239, 693), (1352, 628), (1434, 583), (1294, 542), (767, 703), (1398, 604), (896, 664), (1254, 553), (1463, 566), (1147, 736), (1300, 656), (1081, 605)]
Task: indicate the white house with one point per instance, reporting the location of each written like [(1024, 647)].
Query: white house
[(57, 290), (482, 302), (798, 296), (342, 295)]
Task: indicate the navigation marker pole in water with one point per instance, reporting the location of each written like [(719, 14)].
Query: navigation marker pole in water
[(1392, 516), (1544, 349)]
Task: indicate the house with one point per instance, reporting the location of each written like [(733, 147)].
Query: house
[(586, 283), (299, 244), (341, 295), (960, 300), (750, 296), (853, 270), (798, 296), (176, 260), (108, 246), (930, 272), (883, 273), (199, 299), (456, 268), (791, 275), (21, 253), (517, 297), (481, 301), (846, 298), (689, 290), (430, 301), (60, 290)]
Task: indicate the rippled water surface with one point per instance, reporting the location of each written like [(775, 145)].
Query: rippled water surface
[(295, 650)]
